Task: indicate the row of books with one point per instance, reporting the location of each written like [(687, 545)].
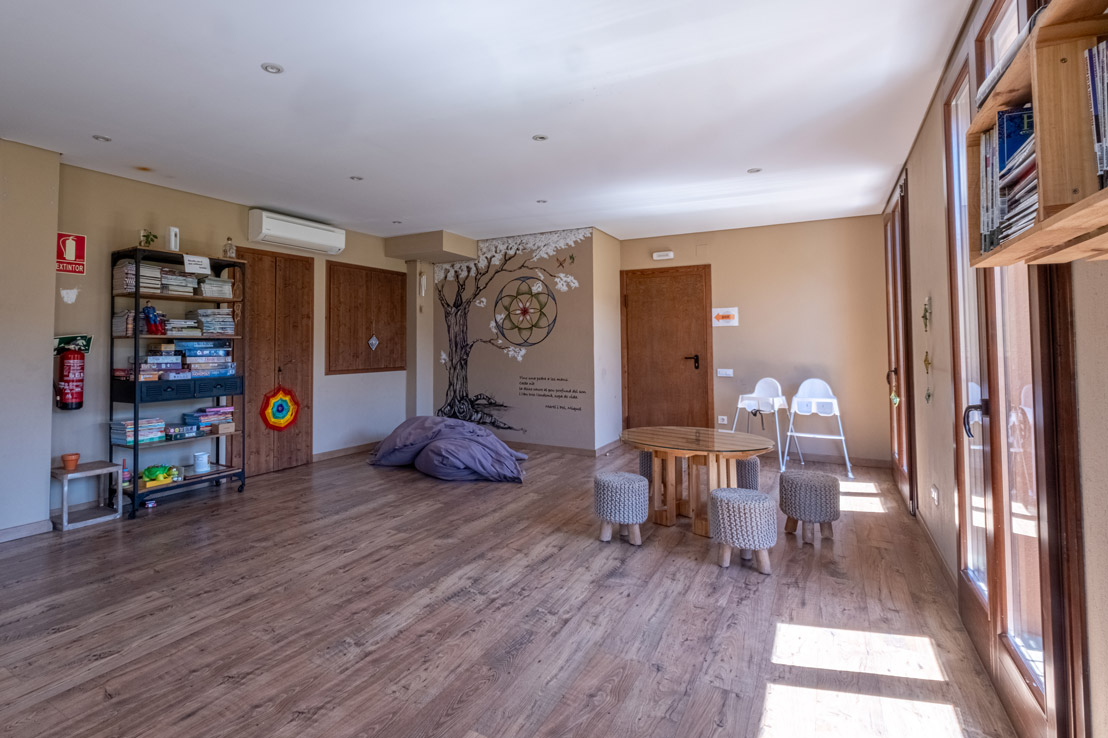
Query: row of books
[(150, 430), (216, 321), (1096, 75), (209, 420), (182, 360), (1009, 177), (167, 281), (198, 323), (206, 421)]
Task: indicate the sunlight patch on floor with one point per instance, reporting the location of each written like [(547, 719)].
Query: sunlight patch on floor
[(790, 712), (860, 651), (856, 488), (852, 503)]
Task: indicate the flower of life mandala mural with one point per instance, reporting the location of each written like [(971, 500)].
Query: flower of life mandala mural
[(525, 311)]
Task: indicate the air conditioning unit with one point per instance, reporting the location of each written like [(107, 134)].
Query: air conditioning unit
[(285, 230)]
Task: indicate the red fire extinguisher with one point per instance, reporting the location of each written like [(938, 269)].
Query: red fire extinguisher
[(70, 388)]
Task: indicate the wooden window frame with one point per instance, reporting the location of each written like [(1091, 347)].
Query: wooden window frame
[(328, 370), (980, 43)]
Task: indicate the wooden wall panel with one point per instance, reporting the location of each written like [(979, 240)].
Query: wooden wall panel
[(363, 302), (295, 295)]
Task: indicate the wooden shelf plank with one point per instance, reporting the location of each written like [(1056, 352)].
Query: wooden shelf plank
[(218, 471), (176, 298), (1059, 239), (1012, 91)]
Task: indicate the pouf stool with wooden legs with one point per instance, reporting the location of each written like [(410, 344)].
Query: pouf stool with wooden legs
[(810, 497), (745, 519), (621, 498)]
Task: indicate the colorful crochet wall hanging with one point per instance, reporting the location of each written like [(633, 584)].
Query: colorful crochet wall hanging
[(280, 408)]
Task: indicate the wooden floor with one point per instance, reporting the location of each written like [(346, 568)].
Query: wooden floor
[(339, 599)]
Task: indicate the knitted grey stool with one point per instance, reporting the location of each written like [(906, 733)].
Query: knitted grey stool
[(745, 519), (810, 497), (621, 498)]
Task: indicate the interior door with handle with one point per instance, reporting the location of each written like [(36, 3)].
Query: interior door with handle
[(667, 347), (899, 376)]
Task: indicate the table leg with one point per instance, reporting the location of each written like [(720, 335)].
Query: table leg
[(684, 484), (698, 498), (670, 511), (119, 494), (65, 503), (732, 472), (658, 490)]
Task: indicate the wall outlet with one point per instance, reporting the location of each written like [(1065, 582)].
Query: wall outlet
[(935, 493), (722, 419), (725, 372)]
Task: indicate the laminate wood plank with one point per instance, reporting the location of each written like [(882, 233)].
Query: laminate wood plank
[(340, 599)]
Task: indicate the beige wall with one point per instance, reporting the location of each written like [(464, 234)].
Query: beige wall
[(929, 276), (1090, 292), (28, 228), (608, 369), (811, 300), (348, 409), (561, 364)]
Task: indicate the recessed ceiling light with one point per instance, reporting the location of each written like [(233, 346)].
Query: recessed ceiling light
[(272, 68), (356, 178), (397, 222), (98, 137), (539, 137), (753, 170), (541, 202)]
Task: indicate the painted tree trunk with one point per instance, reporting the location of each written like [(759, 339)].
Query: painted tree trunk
[(458, 403)]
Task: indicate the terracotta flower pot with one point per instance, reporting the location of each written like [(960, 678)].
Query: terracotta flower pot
[(69, 461)]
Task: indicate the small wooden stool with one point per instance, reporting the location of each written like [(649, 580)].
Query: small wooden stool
[(745, 519), (623, 499), (810, 497)]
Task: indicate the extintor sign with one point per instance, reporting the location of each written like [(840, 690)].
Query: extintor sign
[(71, 253)]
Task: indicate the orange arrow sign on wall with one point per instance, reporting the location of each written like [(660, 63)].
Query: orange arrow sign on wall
[(724, 316)]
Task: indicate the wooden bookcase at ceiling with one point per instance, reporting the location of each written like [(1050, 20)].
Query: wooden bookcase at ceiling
[(1049, 72)]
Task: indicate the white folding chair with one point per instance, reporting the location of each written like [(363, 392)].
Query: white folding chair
[(766, 398), (815, 398)]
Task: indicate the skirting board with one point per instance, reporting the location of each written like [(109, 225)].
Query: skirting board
[(948, 576), (364, 448), (22, 531)]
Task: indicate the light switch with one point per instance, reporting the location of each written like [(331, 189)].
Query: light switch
[(725, 372)]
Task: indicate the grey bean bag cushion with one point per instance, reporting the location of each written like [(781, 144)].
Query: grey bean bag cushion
[(450, 449)]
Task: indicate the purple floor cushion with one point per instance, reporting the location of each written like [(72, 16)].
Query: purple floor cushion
[(408, 439), (470, 459), (450, 449)]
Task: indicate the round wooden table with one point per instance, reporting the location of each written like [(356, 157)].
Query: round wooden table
[(708, 447)]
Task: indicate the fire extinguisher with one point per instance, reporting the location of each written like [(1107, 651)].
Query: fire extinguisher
[(70, 388)]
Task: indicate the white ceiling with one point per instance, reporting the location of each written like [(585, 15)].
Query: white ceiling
[(655, 109)]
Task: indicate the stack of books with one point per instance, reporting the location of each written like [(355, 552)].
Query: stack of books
[(216, 321), (209, 419), (145, 375), (150, 430), (123, 323), (1009, 178), (176, 282), (208, 358), (123, 277), (215, 287), (1096, 76), (182, 327)]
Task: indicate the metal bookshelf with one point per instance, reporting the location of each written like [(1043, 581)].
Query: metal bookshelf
[(138, 394)]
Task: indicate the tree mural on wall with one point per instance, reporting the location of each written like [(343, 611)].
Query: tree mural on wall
[(524, 312)]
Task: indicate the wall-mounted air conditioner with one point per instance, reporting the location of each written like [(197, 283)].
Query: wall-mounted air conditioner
[(285, 230)]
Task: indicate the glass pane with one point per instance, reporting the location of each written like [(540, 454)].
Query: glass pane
[(1002, 35), (1025, 607), (974, 510)]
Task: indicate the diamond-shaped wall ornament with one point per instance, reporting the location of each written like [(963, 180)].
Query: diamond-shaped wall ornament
[(373, 343)]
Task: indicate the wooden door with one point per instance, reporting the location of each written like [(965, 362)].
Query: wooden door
[(277, 333), (667, 347), (899, 375)]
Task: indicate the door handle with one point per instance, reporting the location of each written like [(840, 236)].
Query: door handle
[(889, 377), (981, 407), (695, 360)]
